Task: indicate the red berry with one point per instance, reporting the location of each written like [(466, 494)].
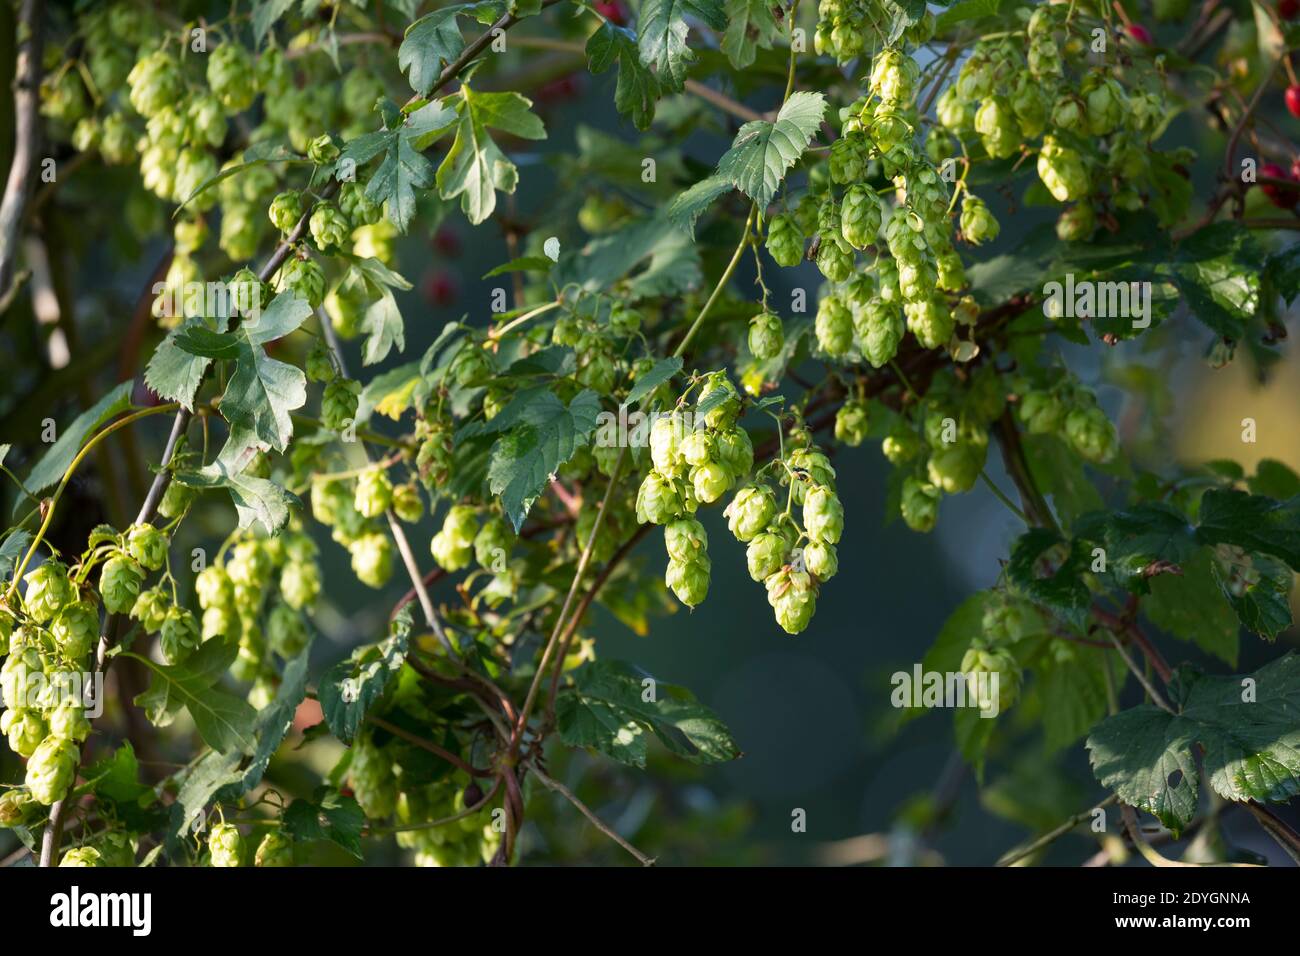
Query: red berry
[(1139, 34), (1293, 99), (1280, 196), (1287, 9), (1295, 168), (613, 11), (447, 242), (438, 288)]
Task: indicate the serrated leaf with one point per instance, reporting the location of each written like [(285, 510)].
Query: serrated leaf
[(1140, 541), (1190, 607), (1049, 571), (547, 436), (274, 720), (225, 722), (1262, 606), (637, 90), (656, 375), (13, 548), (266, 14), (1217, 270), (210, 774), (430, 42), (1251, 748), (608, 710), (662, 32), (391, 393), (687, 207), (763, 152), (49, 470), (750, 25), (521, 264), (259, 154), (176, 373), (1073, 690), (328, 816), (1253, 522), (475, 168), (350, 687), (255, 499)]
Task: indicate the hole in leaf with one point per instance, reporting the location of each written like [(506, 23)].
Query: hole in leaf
[(1175, 779)]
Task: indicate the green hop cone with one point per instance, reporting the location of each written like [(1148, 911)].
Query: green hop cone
[(1043, 413), (231, 76), (51, 769), (13, 807), (150, 609), (82, 856), (750, 511), (448, 553), (286, 631), (329, 227), (919, 504), (785, 241), (1062, 171), (179, 635), (666, 437), (833, 326), (722, 414), (834, 258), (792, 597), (155, 83), (977, 223), (814, 469), (689, 580), (249, 565), (299, 584), (1077, 223), (860, 216), (1092, 435), (735, 452), (821, 560), (372, 559), (226, 845), (657, 500), (26, 730), (285, 210), (305, 279), (371, 778), (685, 540), (699, 448), (917, 280), (407, 503), (995, 121), (766, 335), (955, 468), (983, 665), (766, 554), (847, 162), (950, 273), (710, 482), (338, 406), (823, 515), (322, 151), (213, 587), (69, 720), (75, 629), (119, 583), (493, 542), (893, 76), (276, 849), (931, 321), (1030, 106), (147, 545), (374, 492), (48, 591), (1107, 104), (851, 423), (879, 328), (359, 209)]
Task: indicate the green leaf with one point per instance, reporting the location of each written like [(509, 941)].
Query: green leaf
[(1253, 522), (1049, 571), (259, 154), (1060, 474), (1073, 690), (763, 152), (49, 470), (213, 772), (327, 816), (274, 720), (1274, 479), (1146, 540), (966, 10), (255, 499), (14, 547), (1246, 727), (688, 206), (549, 433), (750, 25), (263, 391), (662, 32), (475, 168), (1218, 273), (347, 689), (521, 264), (391, 393), (266, 14), (637, 90), (613, 710), (176, 373), (1190, 607), (656, 375), (225, 722), (611, 258), (436, 39), (1262, 606)]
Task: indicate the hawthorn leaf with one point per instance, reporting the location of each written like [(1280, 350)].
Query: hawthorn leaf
[(475, 168), (662, 32), (637, 90), (750, 25)]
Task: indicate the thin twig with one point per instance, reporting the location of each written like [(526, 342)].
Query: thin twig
[(599, 824), (27, 132)]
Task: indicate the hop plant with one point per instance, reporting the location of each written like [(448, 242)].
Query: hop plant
[(833, 326), (150, 609), (231, 77), (75, 629), (329, 227), (225, 845), (766, 335), (852, 422), (147, 545), (919, 504), (51, 769), (120, 582), (179, 635), (155, 83), (305, 279), (339, 403), (823, 515), (276, 849), (374, 493), (750, 511), (48, 591), (372, 559), (785, 241), (792, 597)]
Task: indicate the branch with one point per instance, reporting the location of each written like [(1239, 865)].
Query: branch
[(1019, 853), (27, 130), (428, 745), (600, 825)]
